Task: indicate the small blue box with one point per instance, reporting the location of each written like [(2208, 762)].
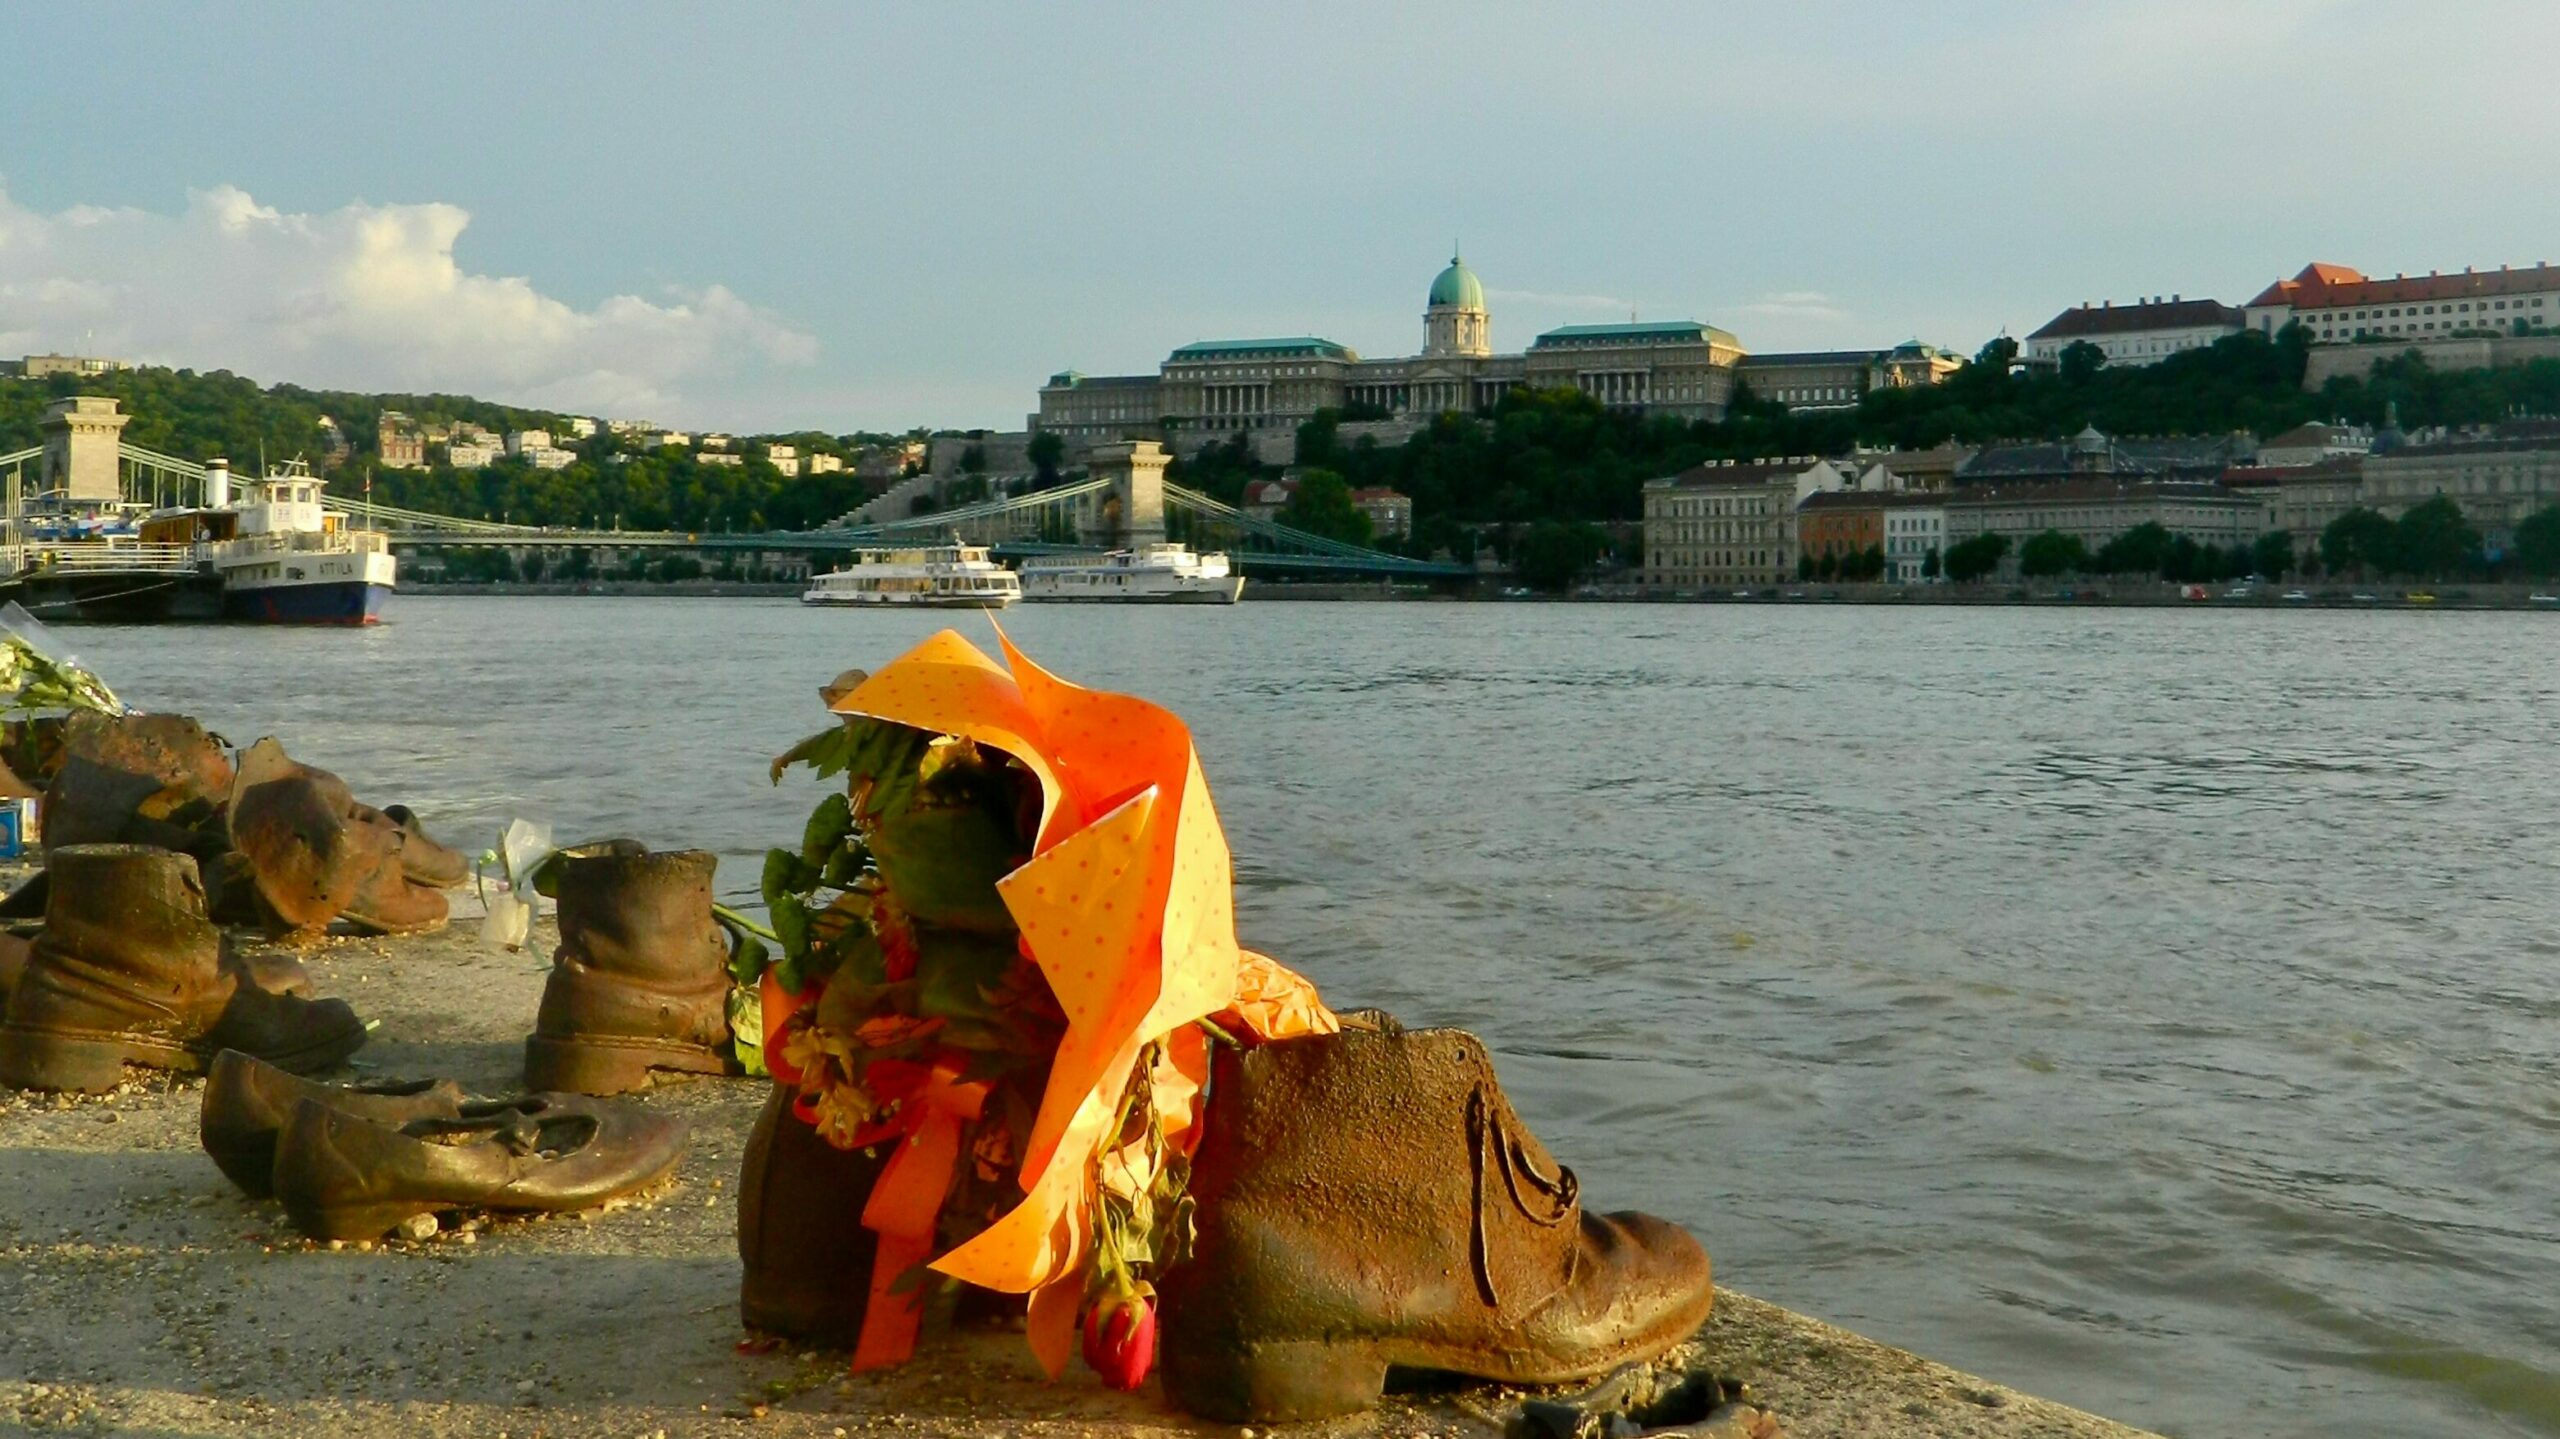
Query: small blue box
[(17, 827)]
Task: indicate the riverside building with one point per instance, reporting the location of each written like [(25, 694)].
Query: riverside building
[(1212, 389), (2138, 334), (1729, 523)]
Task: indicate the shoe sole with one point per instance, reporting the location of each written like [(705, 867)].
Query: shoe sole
[(89, 1062), (593, 1065), (82, 1062)]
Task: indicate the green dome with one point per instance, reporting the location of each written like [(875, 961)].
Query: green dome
[(1457, 286)]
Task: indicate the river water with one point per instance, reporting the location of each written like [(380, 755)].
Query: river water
[(2157, 1010)]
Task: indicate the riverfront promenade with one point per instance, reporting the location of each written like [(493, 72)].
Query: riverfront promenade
[(139, 1292)]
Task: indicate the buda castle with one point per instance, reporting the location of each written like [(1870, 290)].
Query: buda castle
[(1681, 368)]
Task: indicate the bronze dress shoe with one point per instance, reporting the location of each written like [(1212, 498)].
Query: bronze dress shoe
[(640, 982), (1367, 1200), (129, 970), (427, 862), (342, 1176), (154, 779), (246, 1102)]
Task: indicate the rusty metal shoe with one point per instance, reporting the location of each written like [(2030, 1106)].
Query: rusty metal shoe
[(388, 900), (427, 862), (640, 982), (1370, 1200), (156, 779), (247, 1100), (342, 1176), (129, 970), (808, 1263), (290, 822)]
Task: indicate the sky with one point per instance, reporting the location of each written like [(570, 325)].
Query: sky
[(763, 217)]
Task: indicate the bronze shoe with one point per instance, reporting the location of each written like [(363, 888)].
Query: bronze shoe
[(640, 982), (129, 970), (1367, 1200), (388, 900), (427, 862), (291, 823), (154, 779), (342, 1176), (247, 1100), (808, 1258)]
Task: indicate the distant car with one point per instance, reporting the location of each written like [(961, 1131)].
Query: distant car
[(2297, 596), (1795, 594), (2193, 592), (1516, 592), (2543, 599), (2365, 598), (1742, 594), (2239, 592)]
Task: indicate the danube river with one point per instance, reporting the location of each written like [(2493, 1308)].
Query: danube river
[(2158, 1010)]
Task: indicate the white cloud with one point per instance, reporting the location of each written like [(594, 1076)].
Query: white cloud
[(364, 297), (1796, 305), (1561, 301)]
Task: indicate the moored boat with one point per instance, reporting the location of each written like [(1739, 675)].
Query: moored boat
[(1158, 574), (952, 576), (278, 554)]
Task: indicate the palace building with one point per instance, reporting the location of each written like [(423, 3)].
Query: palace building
[(1216, 388)]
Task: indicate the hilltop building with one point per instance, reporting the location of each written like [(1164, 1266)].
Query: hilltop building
[(402, 441), (2144, 333), (2090, 455), (1835, 379), (2339, 305), (45, 367), (1212, 389)]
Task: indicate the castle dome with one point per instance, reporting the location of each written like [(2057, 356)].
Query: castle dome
[(1457, 286)]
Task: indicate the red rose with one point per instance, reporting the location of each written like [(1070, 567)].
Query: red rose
[(1120, 1338)]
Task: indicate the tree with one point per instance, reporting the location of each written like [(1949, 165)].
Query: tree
[(2142, 550), (1046, 452), (2361, 540), (1321, 505), (2537, 548), (1929, 564), (1827, 568), (1972, 559), (1804, 567), (1550, 555), (2434, 541), (2052, 553), (1871, 563), (2081, 361), (2272, 555), (973, 460)]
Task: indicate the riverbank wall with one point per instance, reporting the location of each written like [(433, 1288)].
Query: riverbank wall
[(140, 1292)]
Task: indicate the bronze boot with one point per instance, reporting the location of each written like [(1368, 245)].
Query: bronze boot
[(640, 981), (292, 825), (800, 1230), (154, 779), (129, 971), (1367, 1200)]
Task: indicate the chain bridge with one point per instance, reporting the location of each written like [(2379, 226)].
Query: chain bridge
[(1125, 501)]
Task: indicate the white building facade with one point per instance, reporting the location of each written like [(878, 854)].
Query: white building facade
[(2138, 334)]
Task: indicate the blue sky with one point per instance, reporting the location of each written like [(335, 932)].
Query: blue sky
[(767, 216)]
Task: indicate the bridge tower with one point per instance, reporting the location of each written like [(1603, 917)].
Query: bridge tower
[(80, 438), (1131, 512)]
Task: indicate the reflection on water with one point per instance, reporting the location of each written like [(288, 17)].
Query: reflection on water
[(2154, 1010)]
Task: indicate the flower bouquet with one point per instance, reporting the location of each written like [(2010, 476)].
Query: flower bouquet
[(1001, 951)]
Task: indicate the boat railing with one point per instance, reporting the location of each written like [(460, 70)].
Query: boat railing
[(91, 556)]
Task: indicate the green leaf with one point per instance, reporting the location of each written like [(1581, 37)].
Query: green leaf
[(748, 955), (786, 873), (942, 863), (958, 971), (827, 752), (746, 1027), (791, 926), (846, 864), (828, 826)]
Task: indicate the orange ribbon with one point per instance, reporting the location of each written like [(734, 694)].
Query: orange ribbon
[(933, 1105)]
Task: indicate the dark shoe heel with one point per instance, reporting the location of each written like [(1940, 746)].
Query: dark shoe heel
[(38, 1059), (1280, 1380)]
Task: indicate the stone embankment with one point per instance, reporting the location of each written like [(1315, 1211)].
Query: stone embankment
[(140, 1293)]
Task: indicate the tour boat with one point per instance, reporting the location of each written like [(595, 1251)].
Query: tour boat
[(278, 555), (952, 576), (1160, 574)]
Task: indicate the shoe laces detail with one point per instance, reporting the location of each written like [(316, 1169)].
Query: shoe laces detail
[(1544, 1200)]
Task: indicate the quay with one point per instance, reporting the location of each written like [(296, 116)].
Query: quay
[(139, 1292)]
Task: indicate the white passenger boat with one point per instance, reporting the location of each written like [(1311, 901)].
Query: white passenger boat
[(952, 576), (283, 556), (1162, 574)]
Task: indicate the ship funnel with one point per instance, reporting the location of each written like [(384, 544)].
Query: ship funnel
[(217, 483)]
